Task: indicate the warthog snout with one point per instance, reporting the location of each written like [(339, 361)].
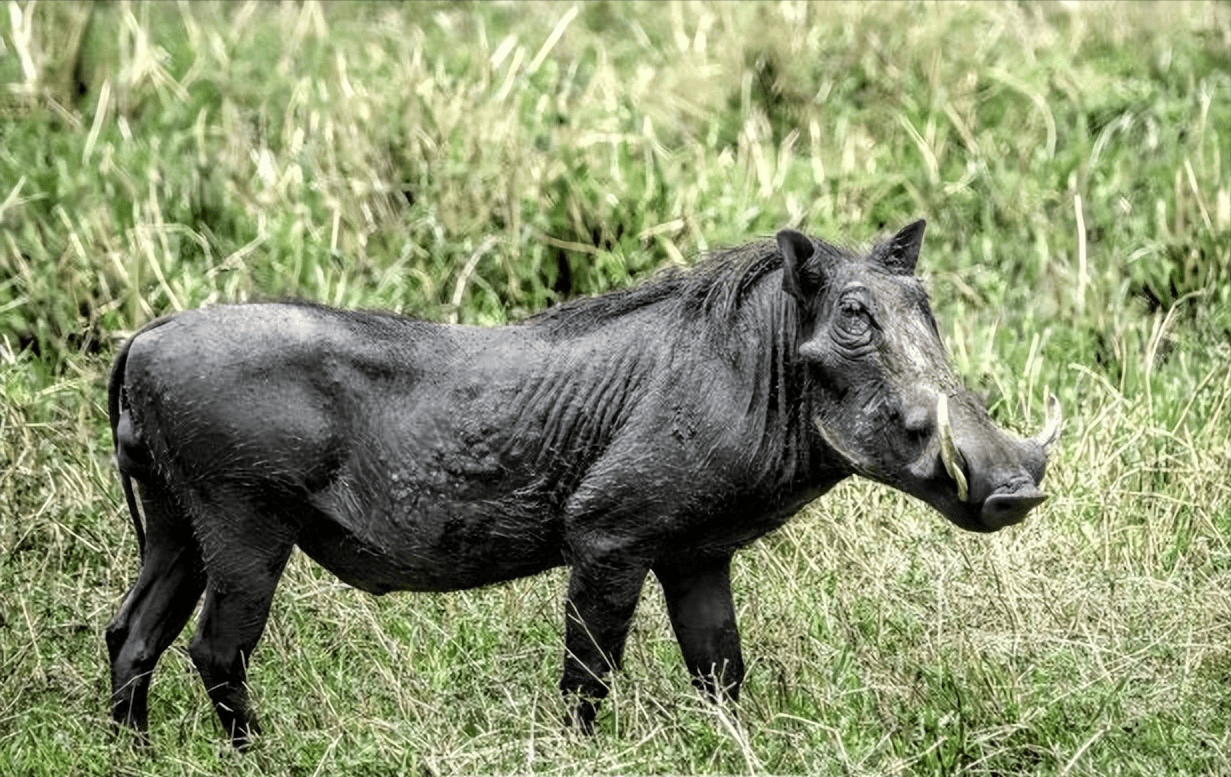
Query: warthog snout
[(1008, 472)]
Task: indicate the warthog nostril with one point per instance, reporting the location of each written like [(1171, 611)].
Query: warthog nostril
[(1006, 509)]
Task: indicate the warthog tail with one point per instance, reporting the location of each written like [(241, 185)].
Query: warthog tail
[(115, 389)]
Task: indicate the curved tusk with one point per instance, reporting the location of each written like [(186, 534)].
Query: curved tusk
[(949, 454), (1051, 428)]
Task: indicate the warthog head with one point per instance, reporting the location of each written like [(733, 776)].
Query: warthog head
[(883, 397)]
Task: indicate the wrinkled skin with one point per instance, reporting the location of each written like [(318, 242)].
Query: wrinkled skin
[(658, 429)]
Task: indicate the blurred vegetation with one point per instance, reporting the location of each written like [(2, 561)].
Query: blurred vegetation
[(159, 156), (477, 162)]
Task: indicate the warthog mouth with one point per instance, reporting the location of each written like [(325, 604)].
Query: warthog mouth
[(1008, 503)]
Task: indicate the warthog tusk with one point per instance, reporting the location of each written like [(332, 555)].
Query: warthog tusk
[(1051, 428), (949, 454)]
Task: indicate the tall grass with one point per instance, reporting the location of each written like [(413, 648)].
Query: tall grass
[(478, 162)]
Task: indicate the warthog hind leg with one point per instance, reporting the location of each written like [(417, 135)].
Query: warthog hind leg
[(155, 609), (244, 566)]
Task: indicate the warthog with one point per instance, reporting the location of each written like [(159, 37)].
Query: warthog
[(660, 428)]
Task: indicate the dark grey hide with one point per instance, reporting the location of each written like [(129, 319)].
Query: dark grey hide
[(655, 429)]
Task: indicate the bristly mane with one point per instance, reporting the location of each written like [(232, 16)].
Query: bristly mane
[(713, 289)]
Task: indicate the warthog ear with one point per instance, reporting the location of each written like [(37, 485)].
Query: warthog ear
[(901, 253), (796, 250)]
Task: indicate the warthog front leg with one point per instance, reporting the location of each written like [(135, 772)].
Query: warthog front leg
[(601, 600), (698, 595)]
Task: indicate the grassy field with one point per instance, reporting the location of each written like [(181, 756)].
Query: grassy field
[(477, 163)]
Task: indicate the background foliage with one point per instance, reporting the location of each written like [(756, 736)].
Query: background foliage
[(478, 162)]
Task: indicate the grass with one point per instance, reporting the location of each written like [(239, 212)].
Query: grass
[(477, 162)]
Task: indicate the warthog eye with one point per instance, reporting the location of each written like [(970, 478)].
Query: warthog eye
[(853, 325), (853, 310)]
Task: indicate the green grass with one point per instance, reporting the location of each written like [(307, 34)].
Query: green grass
[(479, 162)]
